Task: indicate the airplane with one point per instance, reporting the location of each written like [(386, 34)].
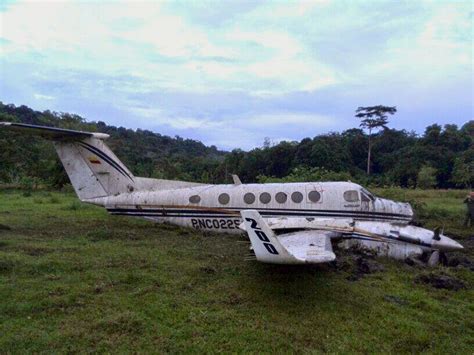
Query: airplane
[(287, 223)]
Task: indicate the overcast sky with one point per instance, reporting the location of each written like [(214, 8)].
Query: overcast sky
[(230, 73)]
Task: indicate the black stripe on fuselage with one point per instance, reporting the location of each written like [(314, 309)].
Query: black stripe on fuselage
[(168, 214), (231, 210), (218, 214), (108, 159)]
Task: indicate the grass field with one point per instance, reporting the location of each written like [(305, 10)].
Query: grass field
[(73, 278)]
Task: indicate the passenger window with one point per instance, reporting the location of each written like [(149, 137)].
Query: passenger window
[(265, 197), (249, 198), (351, 196), (224, 199), (296, 197), (281, 197), (195, 199), (314, 196)]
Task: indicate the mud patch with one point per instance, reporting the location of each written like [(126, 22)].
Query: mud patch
[(364, 266), (234, 299), (343, 263), (34, 251), (6, 266), (415, 261), (395, 300), (441, 281), (4, 227), (460, 260), (368, 266), (208, 269)]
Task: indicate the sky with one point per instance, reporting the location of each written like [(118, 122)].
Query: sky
[(230, 73)]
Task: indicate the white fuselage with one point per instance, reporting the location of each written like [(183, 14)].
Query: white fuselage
[(217, 207), (343, 207)]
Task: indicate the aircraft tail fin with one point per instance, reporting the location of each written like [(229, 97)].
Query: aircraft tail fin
[(92, 167)]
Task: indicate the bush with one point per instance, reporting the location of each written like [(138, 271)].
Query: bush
[(67, 188), (426, 178), (305, 174), (463, 173), (27, 183)]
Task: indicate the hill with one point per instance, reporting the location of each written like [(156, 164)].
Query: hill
[(146, 153)]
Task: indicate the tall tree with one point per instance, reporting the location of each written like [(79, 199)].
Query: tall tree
[(373, 117)]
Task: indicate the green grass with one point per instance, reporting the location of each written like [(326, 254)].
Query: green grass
[(444, 208), (73, 278)]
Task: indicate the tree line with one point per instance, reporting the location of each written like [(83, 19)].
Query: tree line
[(441, 157)]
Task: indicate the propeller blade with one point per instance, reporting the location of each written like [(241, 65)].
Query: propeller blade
[(443, 259)]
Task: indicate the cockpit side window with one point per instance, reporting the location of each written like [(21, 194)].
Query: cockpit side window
[(367, 195), (351, 196), (364, 197)]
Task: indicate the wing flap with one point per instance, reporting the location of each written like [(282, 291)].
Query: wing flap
[(313, 246)]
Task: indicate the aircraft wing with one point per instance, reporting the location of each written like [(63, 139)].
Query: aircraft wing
[(307, 246)]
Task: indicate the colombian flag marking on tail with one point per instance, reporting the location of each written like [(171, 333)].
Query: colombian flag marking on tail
[(94, 160)]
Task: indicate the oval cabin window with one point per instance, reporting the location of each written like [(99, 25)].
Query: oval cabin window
[(249, 198), (314, 196), (281, 197), (351, 196), (265, 197), (195, 199), (296, 197), (224, 199)]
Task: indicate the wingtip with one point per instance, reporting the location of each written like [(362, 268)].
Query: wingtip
[(5, 123)]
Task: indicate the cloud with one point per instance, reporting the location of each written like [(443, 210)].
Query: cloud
[(43, 97), (232, 73), (161, 118), (155, 44), (280, 120)]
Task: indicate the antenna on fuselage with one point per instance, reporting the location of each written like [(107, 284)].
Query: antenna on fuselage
[(236, 179)]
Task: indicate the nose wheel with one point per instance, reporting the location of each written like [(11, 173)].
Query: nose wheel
[(436, 258)]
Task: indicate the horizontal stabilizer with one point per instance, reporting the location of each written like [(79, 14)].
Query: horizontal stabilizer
[(50, 132), (94, 170)]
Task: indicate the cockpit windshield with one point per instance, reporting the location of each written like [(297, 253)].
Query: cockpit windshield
[(367, 193)]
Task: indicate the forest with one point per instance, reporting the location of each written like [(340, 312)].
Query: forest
[(440, 157)]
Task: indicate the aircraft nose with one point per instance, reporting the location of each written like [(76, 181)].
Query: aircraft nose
[(448, 244), (456, 245)]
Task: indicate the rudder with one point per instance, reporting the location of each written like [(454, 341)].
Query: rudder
[(94, 170)]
